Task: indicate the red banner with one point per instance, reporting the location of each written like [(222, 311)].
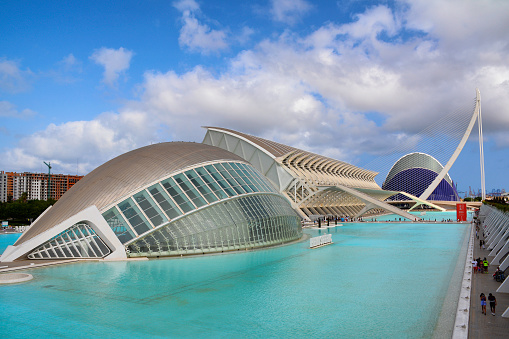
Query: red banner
[(461, 212)]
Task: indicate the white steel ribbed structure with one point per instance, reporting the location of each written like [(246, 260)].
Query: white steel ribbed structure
[(314, 184)]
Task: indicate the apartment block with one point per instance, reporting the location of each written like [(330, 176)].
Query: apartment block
[(13, 185)]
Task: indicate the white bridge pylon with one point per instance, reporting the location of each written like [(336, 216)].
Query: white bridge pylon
[(475, 116)]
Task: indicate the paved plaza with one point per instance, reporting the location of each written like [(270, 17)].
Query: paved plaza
[(480, 325)]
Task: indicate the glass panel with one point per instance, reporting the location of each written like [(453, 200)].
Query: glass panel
[(258, 180), (118, 225), (246, 222), (59, 253), (256, 186), (162, 198), (211, 183), (189, 189), (220, 180), (66, 252), (150, 208), (134, 216), (265, 182), (177, 195), (94, 248), (239, 169), (233, 172), (201, 186), (234, 184)]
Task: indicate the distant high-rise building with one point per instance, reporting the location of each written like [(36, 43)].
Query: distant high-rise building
[(3, 186), (35, 185)]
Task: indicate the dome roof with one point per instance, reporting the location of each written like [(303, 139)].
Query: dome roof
[(118, 177), (416, 160)]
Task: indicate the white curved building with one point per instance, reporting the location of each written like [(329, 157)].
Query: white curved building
[(165, 199), (414, 173), (314, 184)]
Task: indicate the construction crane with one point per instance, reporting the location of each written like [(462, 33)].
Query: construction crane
[(49, 178)]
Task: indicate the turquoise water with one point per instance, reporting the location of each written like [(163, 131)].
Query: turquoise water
[(377, 280), (8, 239)]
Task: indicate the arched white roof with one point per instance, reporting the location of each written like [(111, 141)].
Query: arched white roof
[(120, 176), (416, 160)]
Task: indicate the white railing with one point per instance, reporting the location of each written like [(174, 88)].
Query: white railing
[(320, 241), (21, 228)]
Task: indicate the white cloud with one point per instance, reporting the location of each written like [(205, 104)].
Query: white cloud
[(8, 110), (196, 36), (186, 5), (315, 92), (249, 102), (245, 35), (67, 70), (288, 11), (69, 60), (70, 63), (12, 78), (114, 61), (371, 23), (88, 142), (200, 37)]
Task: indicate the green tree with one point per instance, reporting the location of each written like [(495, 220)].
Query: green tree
[(23, 198)]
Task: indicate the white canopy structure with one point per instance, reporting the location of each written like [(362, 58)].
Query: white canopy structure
[(314, 184)]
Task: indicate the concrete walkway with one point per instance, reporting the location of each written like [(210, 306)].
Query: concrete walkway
[(29, 264), (487, 326)]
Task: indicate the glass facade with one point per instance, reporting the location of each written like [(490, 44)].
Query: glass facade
[(181, 194), (238, 208), (78, 241), (217, 207), (118, 225), (245, 222)]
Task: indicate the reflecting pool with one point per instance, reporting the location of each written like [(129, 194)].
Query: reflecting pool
[(8, 239), (378, 280)]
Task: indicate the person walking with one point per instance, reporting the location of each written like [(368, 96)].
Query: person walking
[(493, 303), (483, 303), (485, 264)]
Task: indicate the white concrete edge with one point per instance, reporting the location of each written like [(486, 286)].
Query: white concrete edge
[(32, 266), (504, 287), (107, 259), (235, 135), (66, 261), (91, 216), (460, 330), (14, 278), (506, 313)]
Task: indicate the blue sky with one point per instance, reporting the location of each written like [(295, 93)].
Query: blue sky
[(82, 82)]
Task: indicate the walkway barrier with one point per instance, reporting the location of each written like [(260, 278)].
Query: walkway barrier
[(21, 228), (460, 330), (322, 240), (495, 225)]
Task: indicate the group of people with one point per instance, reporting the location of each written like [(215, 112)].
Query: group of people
[(499, 275), (493, 303), (480, 266), (482, 244)]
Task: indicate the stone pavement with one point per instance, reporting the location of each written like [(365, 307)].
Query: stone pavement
[(480, 325)]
